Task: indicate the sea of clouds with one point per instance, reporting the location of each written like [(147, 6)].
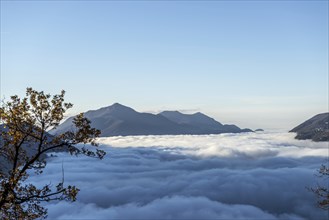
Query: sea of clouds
[(226, 176)]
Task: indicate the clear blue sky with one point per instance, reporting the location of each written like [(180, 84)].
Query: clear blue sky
[(252, 63)]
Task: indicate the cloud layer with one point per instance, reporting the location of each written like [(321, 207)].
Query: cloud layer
[(228, 176)]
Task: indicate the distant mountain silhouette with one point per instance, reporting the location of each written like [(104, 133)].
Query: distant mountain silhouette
[(198, 121), (316, 128), (202, 123), (118, 120)]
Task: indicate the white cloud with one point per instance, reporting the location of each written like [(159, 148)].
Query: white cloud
[(248, 144), (176, 207), (255, 175)]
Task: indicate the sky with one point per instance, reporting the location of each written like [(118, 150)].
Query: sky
[(227, 176), (257, 64)]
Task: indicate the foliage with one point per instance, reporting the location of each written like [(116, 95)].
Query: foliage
[(24, 145), (322, 191)]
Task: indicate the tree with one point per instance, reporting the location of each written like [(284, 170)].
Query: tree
[(25, 143), (322, 191)]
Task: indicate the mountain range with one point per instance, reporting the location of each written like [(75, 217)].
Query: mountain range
[(120, 120), (315, 128)]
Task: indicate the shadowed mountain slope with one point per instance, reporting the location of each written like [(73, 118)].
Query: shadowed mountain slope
[(315, 128)]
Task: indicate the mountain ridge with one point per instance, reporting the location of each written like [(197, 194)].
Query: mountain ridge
[(121, 120)]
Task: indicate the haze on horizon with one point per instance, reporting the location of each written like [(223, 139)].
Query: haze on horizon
[(260, 64)]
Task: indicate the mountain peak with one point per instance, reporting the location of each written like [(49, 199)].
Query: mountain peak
[(118, 105), (199, 114), (115, 109)]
